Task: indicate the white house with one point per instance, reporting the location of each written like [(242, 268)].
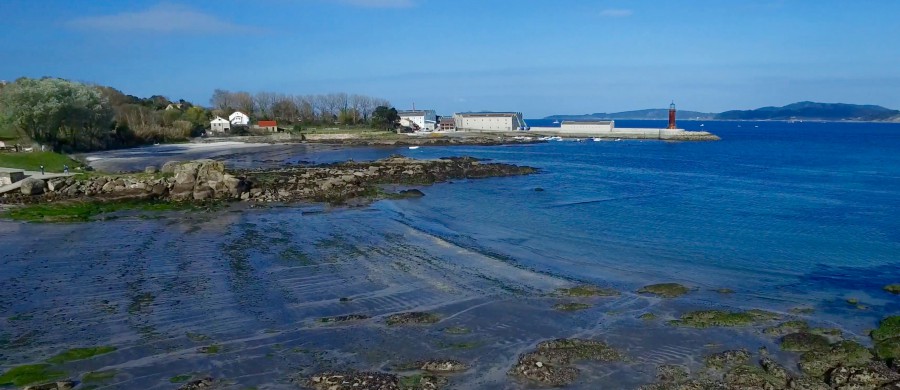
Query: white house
[(219, 125), (587, 127), (421, 119), (239, 119), (489, 121)]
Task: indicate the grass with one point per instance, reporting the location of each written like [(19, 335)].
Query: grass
[(26, 375), (86, 211), (52, 162), (80, 354)]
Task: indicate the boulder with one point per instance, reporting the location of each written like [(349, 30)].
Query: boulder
[(32, 186), (150, 169), (56, 184), (61, 385), (169, 166)]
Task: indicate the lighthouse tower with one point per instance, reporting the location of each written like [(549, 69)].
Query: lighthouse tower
[(672, 116)]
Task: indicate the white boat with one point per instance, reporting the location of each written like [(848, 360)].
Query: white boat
[(413, 147), (597, 139), (555, 122)]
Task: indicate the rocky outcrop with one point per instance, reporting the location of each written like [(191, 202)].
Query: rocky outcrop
[(32, 186), (204, 180)]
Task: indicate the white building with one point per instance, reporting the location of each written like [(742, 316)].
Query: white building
[(419, 119), (587, 127), (219, 125), (490, 121), (239, 119)]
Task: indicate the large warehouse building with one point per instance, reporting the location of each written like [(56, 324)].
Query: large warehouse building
[(490, 121)]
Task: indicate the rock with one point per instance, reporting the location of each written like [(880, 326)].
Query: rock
[(804, 342), (571, 306), (151, 169), (443, 366), (169, 166), (587, 291), (817, 363), (182, 191), (344, 318), (538, 189), (203, 193), (871, 376), (727, 359), (787, 328), (892, 288), (61, 385), (205, 383), (57, 184), (665, 290), (807, 383), (352, 380), (413, 193), (32, 186), (710, 318), (777, 373), (550, 363), (887, 338), (412, 318), (748, 377)]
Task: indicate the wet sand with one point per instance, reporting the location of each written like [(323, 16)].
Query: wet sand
[(255, 284)]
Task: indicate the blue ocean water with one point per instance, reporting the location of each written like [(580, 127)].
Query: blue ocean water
[(789, 214)]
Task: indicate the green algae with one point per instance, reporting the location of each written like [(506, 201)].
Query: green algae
[(457, 330), (80, 354), (719, 318), (29, 374), (648, 316), (665, 290), (210, 349), (98, 376), (804, 342), (181, 378), (887, 338), (802, 310), (86, 211), (587, 291), (727, 359), (571, 306), (786, 328), (892, 288), (817, 363), (412, 318)]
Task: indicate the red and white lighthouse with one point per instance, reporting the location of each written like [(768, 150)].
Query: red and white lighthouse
[(672, 116)]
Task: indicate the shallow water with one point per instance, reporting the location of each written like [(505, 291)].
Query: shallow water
[(800, 216)]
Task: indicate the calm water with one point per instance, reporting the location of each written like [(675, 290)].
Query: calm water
[(791, 213)]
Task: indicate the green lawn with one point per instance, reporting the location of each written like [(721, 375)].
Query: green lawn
[(52, 162)]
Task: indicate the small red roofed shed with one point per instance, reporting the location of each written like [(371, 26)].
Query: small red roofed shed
[(268, 125)]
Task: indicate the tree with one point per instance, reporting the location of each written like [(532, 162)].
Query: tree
[(384, 117), (56, 112)]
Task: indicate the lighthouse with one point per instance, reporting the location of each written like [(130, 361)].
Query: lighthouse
[(672, 116)]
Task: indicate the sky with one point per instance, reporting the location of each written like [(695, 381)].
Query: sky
[(539, 57)]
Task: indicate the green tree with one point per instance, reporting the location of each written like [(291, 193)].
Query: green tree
[(56, 112), (384, 117)]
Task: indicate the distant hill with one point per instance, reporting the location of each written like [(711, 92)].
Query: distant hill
[(815, 111), (653, 113)]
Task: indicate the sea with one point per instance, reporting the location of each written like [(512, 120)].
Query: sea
[(788, 213), (801, 219)]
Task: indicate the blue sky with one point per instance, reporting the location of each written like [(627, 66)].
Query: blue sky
[(540, 57)]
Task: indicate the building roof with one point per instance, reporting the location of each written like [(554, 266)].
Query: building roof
[(488, 114), (267, 124), (413, 112), (219, 119)]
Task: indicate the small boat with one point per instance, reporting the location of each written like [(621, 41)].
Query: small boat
[(597, 139), (413, 147), (556, 122)]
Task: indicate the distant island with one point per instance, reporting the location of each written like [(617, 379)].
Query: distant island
[(795, 111)]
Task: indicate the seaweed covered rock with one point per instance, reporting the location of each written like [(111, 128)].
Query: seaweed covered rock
[(727, 359), (804, 342), (714, 318), (442, 365), (551, 362), (893, 288), (344, 318), (411, 318), (587, 291), (61, 385), (887, 338), (205, 383), (786, 328), (665, 290), (353, 380), (873, 375), (817, 363), (571, 306)]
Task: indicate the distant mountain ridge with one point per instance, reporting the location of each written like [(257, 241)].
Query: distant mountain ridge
[(796, 111), (814, 111)]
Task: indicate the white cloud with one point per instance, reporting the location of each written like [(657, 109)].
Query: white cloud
[(162, 18), (616, 13), (379, 3)]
